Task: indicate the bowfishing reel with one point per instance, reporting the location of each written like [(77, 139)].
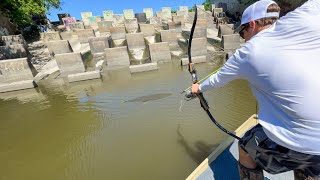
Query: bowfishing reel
[(189, 95)]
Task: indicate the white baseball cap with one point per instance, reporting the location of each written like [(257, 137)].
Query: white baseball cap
[(258, 10)]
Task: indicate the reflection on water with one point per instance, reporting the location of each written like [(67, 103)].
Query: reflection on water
[(85, 131)]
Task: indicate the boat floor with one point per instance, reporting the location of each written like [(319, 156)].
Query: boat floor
[(225, 167)]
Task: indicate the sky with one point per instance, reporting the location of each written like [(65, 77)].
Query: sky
[(75, 7)]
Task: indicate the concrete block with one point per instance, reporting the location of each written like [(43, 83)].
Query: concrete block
[(76, 26), (190, 17), (135, 41), (13, 40), (199, 47), (147, 29), (217, 11), (50, 36), (183, 8), (70, 63), (160, 52), (141, 17), (98, 44), (117, 57), (118, 20), (15, 86), (84, 76), (67, 35), (175, 25), (118, 33), (75, 45), (156, 21), (179, 18), (195, 60), (104, 26), (148, 12), (158, 14), (13, 51), (49, 70), (143, 67), (202, 23), (131, 25), (58, 47), (13, 70), (225, 29), (166, 14), (118, 43), (200, 32), (107, 15), (230, 42), (169, 36), (85, 34), (128, 13), (182, 13)]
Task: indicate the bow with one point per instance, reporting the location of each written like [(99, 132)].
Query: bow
[(193, 72)]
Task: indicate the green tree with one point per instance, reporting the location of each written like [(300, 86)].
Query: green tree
[(21, 11)]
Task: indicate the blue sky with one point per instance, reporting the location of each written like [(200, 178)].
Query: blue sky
[(74, 7)]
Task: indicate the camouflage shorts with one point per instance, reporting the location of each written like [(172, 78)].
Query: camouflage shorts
[(274, 158)]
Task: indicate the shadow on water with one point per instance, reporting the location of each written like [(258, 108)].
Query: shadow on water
[(202, 149), (148, 98)]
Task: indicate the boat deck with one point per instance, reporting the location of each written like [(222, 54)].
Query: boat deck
[(222, 164)]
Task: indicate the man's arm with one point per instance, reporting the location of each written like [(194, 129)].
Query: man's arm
[(235, 68)]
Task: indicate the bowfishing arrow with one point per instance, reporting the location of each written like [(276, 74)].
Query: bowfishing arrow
[(193, 72)]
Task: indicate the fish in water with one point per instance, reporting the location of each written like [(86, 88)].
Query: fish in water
[(148, 98)]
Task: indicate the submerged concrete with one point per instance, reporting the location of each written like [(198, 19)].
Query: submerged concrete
[(143, 67), (195, 60), (15, 86), (84, 76)]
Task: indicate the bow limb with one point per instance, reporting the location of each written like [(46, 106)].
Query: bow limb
[(193, 72)]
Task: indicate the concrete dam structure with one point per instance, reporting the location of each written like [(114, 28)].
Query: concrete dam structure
[(136, 41)]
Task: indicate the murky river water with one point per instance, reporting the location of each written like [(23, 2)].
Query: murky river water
[(123, 127)]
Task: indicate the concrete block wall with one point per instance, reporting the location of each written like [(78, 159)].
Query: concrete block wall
[(199, 47), (141, 17), (13, 40), (13, 70), (225, 29), (70, 63), (50, 36), (98, 44), (169, 36), (13, 51), (131, 25), (85, 34), (59, 47), (135, 41), (230, 42), (117, 57), (160, 52), (147, 29), (118, 33)]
